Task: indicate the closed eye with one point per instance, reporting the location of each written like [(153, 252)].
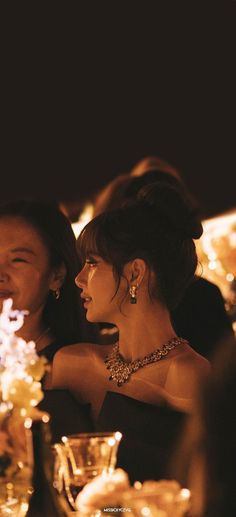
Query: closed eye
[(19, 259)]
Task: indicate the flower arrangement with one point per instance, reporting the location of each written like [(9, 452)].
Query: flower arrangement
[(111, 493), (21, 370)]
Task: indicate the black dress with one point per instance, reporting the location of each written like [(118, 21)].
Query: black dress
[(50, 350), (150, 434), (67, 415)]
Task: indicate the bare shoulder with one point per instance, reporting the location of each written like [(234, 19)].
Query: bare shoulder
[(81, 350), (75, 365), (191, 359), (186, 371)]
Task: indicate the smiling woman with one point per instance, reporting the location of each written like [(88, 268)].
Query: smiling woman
[(38, 264)]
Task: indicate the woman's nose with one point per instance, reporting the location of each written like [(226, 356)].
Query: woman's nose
[(3, 274), (80, 279)]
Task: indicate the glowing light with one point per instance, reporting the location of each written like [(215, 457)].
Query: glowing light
[(212, 264), (28, 423), (217, 255), (84, 219), (212, 255), (45, 418), (185, 493), (33, 402), (145, 511), (118, 436), (229, 277), (23, 508), (137, 485)]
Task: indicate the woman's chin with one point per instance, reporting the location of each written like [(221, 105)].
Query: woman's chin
[(93, 318), (90, 317)]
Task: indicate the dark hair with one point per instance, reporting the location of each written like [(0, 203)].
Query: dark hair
[(65, 316), (113, 194), (127, 186), (159, 226), (154, 163)]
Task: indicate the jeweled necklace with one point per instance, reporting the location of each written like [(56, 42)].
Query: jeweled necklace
[(120, 370)]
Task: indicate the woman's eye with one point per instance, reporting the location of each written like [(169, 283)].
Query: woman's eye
[(91, 262), (19, 259)]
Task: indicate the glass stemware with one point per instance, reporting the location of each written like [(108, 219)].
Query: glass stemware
[(82, 457)]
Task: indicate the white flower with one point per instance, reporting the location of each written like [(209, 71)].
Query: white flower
[(20, 367)]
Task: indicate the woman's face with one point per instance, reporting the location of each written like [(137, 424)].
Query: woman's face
[(25, 272), (98, 285)]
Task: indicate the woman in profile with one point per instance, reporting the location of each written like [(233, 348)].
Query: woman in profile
[(138, 261), (200, 316)]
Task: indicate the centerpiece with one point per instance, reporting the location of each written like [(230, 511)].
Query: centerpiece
[(21, 371)]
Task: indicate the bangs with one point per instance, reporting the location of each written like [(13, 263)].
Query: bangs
[(94, 240)]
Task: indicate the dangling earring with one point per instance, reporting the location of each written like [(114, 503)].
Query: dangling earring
[(56, 293), (133, 294)]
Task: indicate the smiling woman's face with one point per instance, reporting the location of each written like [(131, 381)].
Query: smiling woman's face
[(26, 275)]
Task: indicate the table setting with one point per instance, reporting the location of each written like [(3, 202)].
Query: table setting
[(76, 476)]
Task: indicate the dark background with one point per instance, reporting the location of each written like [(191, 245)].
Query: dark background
[(89, 93)]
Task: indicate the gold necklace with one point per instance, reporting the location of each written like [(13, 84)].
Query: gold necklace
[(121, 370), (45, 331)]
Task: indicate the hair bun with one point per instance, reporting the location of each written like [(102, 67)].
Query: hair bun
[(175, 206)]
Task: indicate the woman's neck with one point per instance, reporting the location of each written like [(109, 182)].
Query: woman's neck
[(144, 333), (36, 330)]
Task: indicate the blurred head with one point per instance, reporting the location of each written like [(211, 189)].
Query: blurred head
[(113, 195), (158, 228), (127, 186), (206, 456), (38, 260), (217, 430), (153, 163)]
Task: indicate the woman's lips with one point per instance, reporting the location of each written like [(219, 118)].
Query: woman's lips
[(5, 294), (86, 300)]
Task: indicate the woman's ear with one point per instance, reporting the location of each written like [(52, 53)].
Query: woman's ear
[(137, 271), (58, 277)]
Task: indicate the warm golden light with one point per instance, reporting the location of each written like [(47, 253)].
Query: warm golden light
[(84, 219), (217, 254)]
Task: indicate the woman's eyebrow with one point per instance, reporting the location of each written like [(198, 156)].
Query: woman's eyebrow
[(23, 249)]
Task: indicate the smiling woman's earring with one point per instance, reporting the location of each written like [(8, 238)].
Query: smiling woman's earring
[(56, 293), (133, 294)]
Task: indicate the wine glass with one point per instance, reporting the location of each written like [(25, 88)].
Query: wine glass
[(82, 457)]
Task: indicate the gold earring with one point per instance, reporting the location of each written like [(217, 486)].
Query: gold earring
[(133, 294), (56, 293)]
